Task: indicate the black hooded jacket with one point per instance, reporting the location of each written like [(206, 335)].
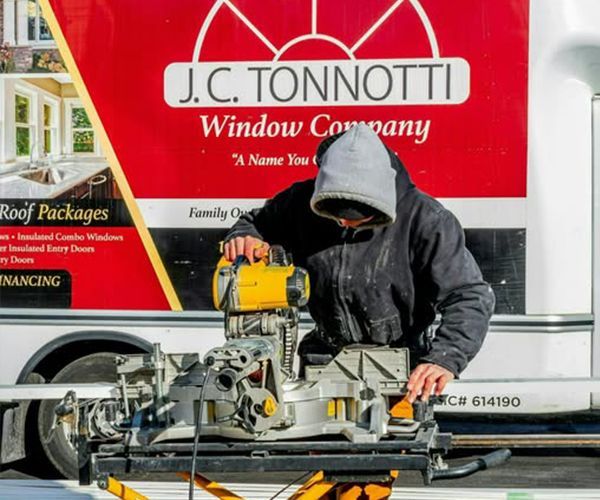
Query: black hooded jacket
[(383, 285)]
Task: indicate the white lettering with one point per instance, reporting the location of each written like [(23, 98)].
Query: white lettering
[(229, 126), (323, 125)]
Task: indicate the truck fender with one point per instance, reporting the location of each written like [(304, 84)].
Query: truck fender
[(106, 337)]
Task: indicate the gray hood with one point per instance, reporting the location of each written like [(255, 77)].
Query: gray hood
[(357, 167)]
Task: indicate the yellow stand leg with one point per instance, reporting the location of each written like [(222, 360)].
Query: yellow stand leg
[(119, 490), (378, 491), (317, 488), (349, 492), (211, 487), (367, 491), (314, 489)]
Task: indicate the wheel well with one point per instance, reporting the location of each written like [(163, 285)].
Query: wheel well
[(64, 355), (51, 358), (47, 362)]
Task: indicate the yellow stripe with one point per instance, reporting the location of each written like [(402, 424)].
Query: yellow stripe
[(113, 161)]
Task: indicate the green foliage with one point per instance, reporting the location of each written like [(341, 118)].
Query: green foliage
[(83, 141), (80, 119), (47, 141), (47, 115), (21, 109), (23, 141)]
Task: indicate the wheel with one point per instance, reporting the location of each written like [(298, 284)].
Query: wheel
[(97, 367)]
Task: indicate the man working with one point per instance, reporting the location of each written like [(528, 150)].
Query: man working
[(382, 258)]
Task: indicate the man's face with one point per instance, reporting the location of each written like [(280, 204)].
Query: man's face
[(354, 223)]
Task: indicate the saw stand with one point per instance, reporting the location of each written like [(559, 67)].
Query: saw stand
[(345, 470), (319, 486)]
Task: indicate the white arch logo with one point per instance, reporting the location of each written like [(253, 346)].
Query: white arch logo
[(345, 82)]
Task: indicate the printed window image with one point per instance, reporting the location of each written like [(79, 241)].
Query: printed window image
[(50, 128), (37, 29), (26, 44), (82, 136), (23, 125)]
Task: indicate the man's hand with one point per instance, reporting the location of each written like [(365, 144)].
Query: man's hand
[(245, 245), (426, 377)]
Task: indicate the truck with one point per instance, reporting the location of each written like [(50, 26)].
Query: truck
[(123, 165)]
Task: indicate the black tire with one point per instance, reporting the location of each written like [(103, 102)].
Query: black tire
[(97, 367)]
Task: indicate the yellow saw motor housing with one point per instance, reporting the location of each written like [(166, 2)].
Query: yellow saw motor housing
[(260, 286)]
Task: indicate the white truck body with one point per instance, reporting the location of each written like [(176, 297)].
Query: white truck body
[(556, 337)]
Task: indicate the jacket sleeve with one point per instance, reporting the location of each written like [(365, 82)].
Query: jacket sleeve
[(271, 223), (452, 282)]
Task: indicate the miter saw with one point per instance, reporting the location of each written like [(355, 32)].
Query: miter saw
[(244, 408)]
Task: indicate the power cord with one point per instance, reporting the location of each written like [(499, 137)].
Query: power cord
[(300, 478), (224, 302), (197, 435), (234, 268)]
